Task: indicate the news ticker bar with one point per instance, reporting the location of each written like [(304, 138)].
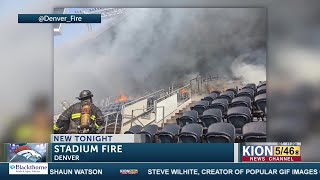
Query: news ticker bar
[(59, 18), (170, 170)]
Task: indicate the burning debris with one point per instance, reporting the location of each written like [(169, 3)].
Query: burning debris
[(122, 98)]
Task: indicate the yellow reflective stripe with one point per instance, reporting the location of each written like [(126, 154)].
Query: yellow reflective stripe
[(97, 126), (76, 115), (93, 117), (55, 127)]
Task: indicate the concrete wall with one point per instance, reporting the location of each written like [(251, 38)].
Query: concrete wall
[(170, 105)]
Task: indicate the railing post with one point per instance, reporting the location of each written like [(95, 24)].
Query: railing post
[(106, 126), (131, 118), (115, 126), (162, 117), (155, 108), (199, 79)]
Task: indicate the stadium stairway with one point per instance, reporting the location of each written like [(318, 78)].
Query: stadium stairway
[(172, 120)]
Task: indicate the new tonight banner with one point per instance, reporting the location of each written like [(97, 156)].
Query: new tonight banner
[(162, 170)]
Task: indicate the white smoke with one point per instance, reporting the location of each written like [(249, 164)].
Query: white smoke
[(152, 48), (250, 67)]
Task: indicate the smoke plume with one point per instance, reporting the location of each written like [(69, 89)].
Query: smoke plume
[(152, 48)]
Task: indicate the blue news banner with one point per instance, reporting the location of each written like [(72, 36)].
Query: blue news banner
[(121, 156), (124, 148), (137, 152)]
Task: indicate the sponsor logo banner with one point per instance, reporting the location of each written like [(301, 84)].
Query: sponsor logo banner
[(28, 168)]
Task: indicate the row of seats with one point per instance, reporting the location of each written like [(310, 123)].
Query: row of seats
[(249, 96), (238, 116), (229, 98), (193, 133), (236, 107)]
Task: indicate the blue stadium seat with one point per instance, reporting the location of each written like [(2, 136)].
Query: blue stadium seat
[(239, 116), (150, 132), (169, 133), (191, 133), (241, 101), (188, 117), (211, 116), (221, 104), (255, 132), (221, 133), (134, 130), (200, 107)]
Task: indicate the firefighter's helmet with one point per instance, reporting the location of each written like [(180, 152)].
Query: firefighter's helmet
[(85, 94)]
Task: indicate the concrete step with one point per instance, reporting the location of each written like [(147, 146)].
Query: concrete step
[(172, 120)]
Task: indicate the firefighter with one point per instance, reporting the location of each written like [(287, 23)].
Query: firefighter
[(80, 118)]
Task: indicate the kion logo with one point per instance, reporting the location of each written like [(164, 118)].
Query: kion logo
[(129, 171)]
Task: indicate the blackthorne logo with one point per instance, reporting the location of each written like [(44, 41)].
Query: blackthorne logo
[(28, 168)]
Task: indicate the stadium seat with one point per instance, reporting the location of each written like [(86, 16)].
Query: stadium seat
[(262, 90), (200, 106), (221, 104), (150, 131), (221, 133), (251, 86), (191, 133), (246, 92), (241, 101), (211, 116), (169, 133), (239, 116), (261, 102), (262, 83), (228, 95), (215, 92), (255, 132), (210, 97), (134, 130), (234, 90), (188, 117)]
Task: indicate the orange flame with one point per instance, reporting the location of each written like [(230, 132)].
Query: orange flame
[(122, 98)]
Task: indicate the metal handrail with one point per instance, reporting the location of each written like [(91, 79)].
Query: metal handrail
[(107, 125), (140, 115), (162, 124), (148, 111), (142, 98), (172, 92)]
